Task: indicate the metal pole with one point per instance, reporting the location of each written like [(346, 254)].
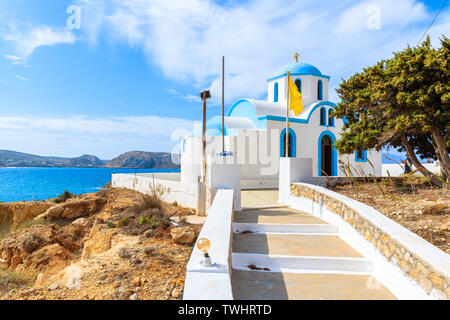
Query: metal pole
[(204, 153), (223, 104), (286, 137)]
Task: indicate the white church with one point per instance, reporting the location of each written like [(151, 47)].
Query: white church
[(255, 132)]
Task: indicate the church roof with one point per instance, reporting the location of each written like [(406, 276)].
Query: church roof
[(299, 68), (257, 110)]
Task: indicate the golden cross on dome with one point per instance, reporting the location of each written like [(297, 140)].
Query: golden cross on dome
[(296, 55)]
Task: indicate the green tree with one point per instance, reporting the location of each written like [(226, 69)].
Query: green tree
[(403, 102)]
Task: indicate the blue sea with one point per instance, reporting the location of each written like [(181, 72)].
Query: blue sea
[(17, 184)]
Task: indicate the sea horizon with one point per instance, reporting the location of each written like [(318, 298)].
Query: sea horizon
[(42, 183)]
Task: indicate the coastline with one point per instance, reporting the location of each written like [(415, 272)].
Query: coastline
[(39, 183)]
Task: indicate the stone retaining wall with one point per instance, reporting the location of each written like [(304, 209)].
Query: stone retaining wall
[(415, 266)]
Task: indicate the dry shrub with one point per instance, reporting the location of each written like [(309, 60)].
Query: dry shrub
[(434, 209), (147, 214), (64, 197), (12, 279)]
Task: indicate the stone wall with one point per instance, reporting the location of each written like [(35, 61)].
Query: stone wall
[(414, 266)]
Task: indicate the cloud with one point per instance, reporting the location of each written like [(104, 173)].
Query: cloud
[(354, 20), (26, 43), (12, 57), (75, 135), (21, 77), (187, 38), (188, 97)]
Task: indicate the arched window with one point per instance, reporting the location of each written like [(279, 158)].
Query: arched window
[(361, 155), (320, 90), (323, 116), (298, 83), (275, 92), (330, 118)]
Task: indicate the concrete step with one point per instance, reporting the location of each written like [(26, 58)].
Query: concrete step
[(301, 264), (276, 216), (292, 245), (250, 285), (239, 227)]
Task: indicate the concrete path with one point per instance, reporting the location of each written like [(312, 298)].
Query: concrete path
[(259, 198), (281, 253)]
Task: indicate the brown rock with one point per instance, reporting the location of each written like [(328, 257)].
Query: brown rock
[(183, 235), (176, 292), (17, 212), (74, 208), (99, 241)]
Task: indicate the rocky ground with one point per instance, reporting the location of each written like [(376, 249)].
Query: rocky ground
[(412, 202), (113, 244)]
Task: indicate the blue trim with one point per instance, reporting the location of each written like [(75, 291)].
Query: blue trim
[(333, 153), (364, 156), (293, 143), (330, 120), (319, 90), (246, 110), (295, 120), (344, 119), (298, 74), (275, 92)]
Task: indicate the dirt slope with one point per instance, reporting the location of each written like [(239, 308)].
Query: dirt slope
[(113, 244)]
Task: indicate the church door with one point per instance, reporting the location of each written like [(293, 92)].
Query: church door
[(289, 145), (326, 156)]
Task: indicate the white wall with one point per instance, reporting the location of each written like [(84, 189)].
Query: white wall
[(262, 162), (308, 141), (309, 89), (213, 282), (396, 170), (185, 194)]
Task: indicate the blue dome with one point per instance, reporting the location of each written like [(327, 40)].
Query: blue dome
[(301, 68)]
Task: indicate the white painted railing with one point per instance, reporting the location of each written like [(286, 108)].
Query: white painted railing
[(213, 282), (409, 266)]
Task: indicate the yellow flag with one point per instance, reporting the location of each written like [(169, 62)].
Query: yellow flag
[(295, 97)]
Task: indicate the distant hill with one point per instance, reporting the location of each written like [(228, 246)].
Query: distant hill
[(134, 159), (18, 159), (141, 159)]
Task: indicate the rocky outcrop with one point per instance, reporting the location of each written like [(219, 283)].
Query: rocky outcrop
[(15, 213), (74, 208), (98, 245), (183, 235), (99, 240)]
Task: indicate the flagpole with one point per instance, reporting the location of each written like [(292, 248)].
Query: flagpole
[(286, 141), (223, 104)]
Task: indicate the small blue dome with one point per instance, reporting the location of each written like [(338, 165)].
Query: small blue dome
[(299, 68)]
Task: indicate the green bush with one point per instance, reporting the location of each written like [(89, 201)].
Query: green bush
[(150, 221), (64, 197)]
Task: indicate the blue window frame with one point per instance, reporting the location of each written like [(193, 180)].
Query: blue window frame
[(292, 143), (330, 118), (319, 90), (275, 92), (361, 155), (298, 83), (323, 116)]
